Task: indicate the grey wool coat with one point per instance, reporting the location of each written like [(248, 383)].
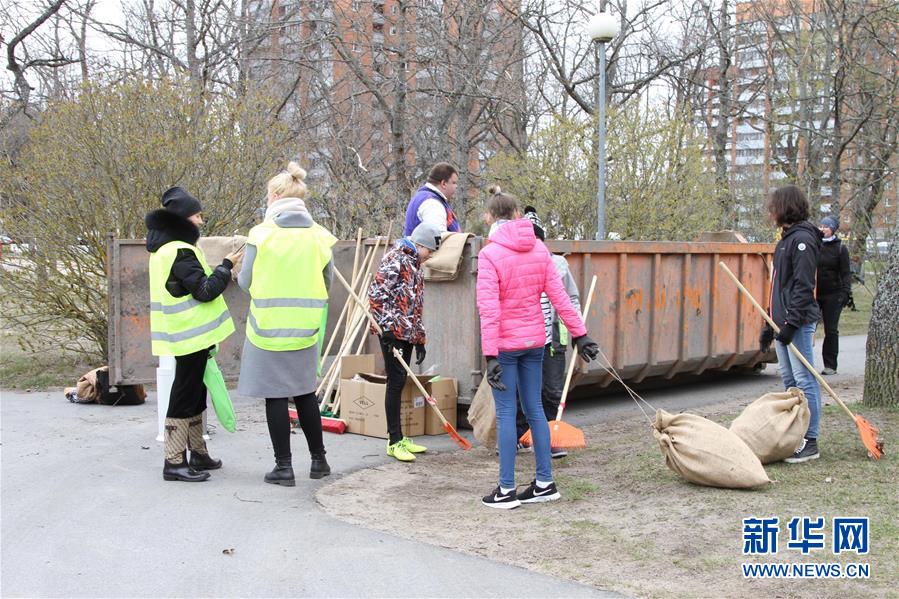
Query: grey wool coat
[(271, 374)]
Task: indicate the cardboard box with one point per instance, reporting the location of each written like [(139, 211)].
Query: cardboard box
[(446, 393), (353, 365), (362, 406)]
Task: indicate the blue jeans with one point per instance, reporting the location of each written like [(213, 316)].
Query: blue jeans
[(794, 374), (522, 373)]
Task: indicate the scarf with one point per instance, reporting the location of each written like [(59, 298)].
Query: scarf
[(286, 205)]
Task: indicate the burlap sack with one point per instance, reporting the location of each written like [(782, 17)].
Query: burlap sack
[(705, 453), (482, 415), (774, 425), (216, 248), (87, 389), (443, 265)]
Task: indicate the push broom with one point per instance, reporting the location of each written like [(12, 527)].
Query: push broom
[(449, 428), (868, 432), (562, 434)]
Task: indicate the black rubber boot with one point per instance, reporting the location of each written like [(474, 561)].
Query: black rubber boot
[(203, 461), (182, 471), (282, 474), (319, 467)]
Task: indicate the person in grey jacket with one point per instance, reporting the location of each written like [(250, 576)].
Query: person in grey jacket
[(279, 376), (557, 339)]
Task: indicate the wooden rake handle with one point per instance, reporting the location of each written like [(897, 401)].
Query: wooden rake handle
[(792, 347), (574, 358)]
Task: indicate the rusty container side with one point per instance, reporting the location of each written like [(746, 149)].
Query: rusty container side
[(130, 360), (666, 308)]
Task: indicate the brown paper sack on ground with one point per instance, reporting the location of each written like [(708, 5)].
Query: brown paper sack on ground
[(216, 248), (443, 265), (705, 453), (482, 415), (774, 425), (86, 387)]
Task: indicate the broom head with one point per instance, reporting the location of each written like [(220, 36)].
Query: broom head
[(452, 432), (561, 435), (870, 437)]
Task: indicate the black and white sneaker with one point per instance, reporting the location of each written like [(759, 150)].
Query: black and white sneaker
[(500, 500), (806, 452), (557, 452), (535, 494)]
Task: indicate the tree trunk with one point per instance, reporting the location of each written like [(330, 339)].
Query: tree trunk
[(882, 351), (722, 127)]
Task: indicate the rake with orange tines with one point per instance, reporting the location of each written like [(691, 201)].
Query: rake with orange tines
[(449, 428), (869, 434), (562, 434)]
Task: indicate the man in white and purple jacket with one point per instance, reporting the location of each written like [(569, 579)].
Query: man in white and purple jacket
[(431, 203)]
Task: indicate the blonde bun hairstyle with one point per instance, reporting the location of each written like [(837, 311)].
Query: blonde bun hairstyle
[(502, 206), (289, 183)]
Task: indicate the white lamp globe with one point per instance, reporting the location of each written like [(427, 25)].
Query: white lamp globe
[(602, 27)]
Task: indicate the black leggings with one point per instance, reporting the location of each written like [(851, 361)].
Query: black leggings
[(396, 380), (188, 395), (278, 419)]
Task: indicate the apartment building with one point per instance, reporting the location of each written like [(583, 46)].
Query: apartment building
[(782, 122)]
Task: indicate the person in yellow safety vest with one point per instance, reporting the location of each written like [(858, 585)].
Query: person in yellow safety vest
[(188, 317), (287, 272)]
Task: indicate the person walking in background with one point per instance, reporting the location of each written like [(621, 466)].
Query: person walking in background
[(793, 306), (396, 300), (834, 289), (431, 203), (287, 272), (557, 339), (514, 269), (188, 317)]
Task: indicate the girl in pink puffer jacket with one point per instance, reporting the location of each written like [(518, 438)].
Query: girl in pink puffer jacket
[(514, 269)]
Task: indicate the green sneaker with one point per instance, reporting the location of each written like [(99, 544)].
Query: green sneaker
[(399, 451), (412, 447)]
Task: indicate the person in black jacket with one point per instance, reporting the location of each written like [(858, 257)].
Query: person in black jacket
[(793, 307), (834, 289), (179, 220)]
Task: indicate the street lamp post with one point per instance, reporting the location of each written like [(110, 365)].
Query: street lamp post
[(601, 28)]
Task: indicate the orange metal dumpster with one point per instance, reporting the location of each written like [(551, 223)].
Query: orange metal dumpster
[(661, 310)]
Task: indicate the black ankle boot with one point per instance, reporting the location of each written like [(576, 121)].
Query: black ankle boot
[(182, 471), (282, 474), (203, 461), (319, 467)]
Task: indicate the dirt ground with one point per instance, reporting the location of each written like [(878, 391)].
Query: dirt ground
[(626, 523)]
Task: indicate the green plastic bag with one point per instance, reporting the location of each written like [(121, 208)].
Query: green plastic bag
[(221, 401)]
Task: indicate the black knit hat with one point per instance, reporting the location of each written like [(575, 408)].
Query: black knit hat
[(177, 200), (531, 214)]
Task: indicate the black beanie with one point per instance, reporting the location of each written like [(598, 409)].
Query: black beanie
[(531, 214), (177, 200)]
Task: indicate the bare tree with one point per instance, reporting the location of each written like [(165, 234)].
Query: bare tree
[(20, 66)]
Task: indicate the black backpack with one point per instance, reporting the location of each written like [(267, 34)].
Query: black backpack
[(121, 395)]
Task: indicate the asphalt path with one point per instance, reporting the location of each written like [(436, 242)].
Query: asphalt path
[(85, 512)]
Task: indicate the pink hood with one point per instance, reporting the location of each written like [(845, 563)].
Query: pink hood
[(513, 270)]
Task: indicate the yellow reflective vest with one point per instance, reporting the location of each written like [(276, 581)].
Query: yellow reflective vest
[(183, 325), (288, 297)]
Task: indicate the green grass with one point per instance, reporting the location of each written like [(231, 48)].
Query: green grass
[(856, 323), (576, 489), (49, 368)]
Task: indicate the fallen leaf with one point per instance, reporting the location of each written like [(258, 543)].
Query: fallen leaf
[(228, 551)]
